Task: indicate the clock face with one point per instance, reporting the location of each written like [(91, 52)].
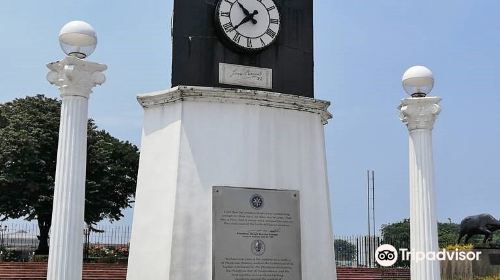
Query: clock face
[(250, 25)]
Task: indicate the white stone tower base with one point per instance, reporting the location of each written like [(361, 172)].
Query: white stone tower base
[(195, 138)]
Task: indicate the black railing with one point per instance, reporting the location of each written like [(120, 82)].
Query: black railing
[(19, 236), (19, 241), (111, 243), (359, 251)]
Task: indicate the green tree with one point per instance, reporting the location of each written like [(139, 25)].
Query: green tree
[(398, 235), (29, 129), (344, 250), (398, 230), (447, 232)]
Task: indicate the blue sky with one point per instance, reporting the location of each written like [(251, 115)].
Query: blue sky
[(361, 50)]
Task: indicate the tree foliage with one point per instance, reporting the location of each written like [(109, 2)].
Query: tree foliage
[(344, 250), (29, 129), (447, 233), (398, 230), (111, 176)]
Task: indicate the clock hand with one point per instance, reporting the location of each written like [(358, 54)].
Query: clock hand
[(246, 12), (247, 19)]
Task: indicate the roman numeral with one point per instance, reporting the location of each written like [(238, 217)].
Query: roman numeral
[(228, 27), (237, 37), (249, 42), (271, 8), (224, 14), (262, 42), (271, 33), (274, 21)]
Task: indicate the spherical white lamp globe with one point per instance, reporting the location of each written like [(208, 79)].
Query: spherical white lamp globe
[(78, 38), (418, 81)]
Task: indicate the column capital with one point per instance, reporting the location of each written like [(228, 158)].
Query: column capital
[(420, 112), (76, 77)]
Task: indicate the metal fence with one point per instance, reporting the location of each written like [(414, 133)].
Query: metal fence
[(113, 242), (359, 251), (106, 242), (108, 235), (19, 237), (19, 241)]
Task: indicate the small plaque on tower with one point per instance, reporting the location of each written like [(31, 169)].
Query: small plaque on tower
[(231, 74)]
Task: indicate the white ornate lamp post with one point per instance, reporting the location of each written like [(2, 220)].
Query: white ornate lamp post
[(419, 112), (75, 79)]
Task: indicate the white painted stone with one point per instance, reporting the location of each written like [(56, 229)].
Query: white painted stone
[(195, 138), (419, 114), (75, 79)]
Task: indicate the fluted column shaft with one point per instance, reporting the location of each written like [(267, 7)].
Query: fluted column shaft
[(75, 79), (66, 245), (419, 114)]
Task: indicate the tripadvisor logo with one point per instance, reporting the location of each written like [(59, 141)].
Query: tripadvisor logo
[(386, 255)]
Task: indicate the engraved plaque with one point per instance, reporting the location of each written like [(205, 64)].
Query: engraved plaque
[(256, 234), (239, 75)]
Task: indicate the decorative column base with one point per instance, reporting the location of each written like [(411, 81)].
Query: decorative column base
[(196, 138)]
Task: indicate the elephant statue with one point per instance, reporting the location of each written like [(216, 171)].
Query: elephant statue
[(483, 224)]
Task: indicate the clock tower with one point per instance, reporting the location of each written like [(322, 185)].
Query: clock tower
[(276, 35), (232, 180)]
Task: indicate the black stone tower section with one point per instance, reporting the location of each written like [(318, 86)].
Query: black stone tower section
[(198, 49)]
